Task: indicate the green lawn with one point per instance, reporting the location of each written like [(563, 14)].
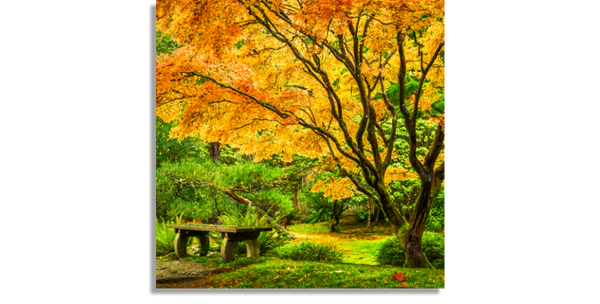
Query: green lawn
[(269, 272)]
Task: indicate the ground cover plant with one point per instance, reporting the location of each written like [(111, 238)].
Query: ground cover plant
[(269, 272)]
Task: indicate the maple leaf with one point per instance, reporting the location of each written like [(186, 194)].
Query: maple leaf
[(398, 276)]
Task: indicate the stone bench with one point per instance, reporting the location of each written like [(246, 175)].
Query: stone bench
[(231, 236)]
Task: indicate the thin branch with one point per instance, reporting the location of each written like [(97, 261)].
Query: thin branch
[(255, 120), (422, 81)]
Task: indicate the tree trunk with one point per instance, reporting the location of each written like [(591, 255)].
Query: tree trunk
[(369, 228), (413, 239), (336, 217), (430, 188), (215, 153)]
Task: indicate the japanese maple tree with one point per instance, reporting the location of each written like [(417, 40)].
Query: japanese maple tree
[(335, 78)]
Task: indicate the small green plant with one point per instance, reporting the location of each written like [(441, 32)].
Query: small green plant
[(165, 237), (309, 251), (250, 219), (391, 253), (266, 240)]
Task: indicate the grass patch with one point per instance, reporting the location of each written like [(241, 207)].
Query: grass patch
[(268, 272), (323, 227), (358, 251), (348, 225)]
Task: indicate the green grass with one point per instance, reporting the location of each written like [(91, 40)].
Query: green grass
[(347, 225), (268, 272), (359, 268), (310, 228), (358, 245), (359, 251)]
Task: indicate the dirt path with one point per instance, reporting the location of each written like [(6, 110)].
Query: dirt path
[(182, 274)]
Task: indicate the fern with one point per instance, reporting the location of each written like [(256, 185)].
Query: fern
[(165, 237)]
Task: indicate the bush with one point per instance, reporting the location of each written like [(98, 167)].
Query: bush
[(390, 252), (433, 246), (435, 220), (309, 251)]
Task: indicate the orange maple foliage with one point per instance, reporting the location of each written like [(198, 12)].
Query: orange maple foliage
[(311, 78)]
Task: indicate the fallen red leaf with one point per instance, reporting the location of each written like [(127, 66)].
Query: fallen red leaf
[(398, 276)]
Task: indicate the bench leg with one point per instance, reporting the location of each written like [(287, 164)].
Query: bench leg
[(204, 244), (253, 248), (181, 245), (228, 249)]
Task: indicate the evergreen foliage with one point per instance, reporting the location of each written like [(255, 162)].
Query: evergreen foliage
[(196, 188), (171, 150)]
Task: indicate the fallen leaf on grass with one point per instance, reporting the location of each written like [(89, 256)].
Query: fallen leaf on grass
[(398, 276), (401, 286)]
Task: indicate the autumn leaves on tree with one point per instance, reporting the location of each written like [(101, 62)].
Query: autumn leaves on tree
[(343, 80)]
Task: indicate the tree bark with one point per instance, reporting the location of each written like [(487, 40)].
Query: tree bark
[(413, 239), (431, 181), (337, 216), (369, 216), (215, 152)]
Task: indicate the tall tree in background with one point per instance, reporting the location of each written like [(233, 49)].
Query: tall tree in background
[(215, 151), (314, 78)]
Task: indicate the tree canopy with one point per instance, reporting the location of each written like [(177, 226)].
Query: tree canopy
[(338, 79)]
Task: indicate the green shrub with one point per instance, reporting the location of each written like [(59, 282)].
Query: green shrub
[(433, 246), (390, 252), (435, 220), (309, 251)]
